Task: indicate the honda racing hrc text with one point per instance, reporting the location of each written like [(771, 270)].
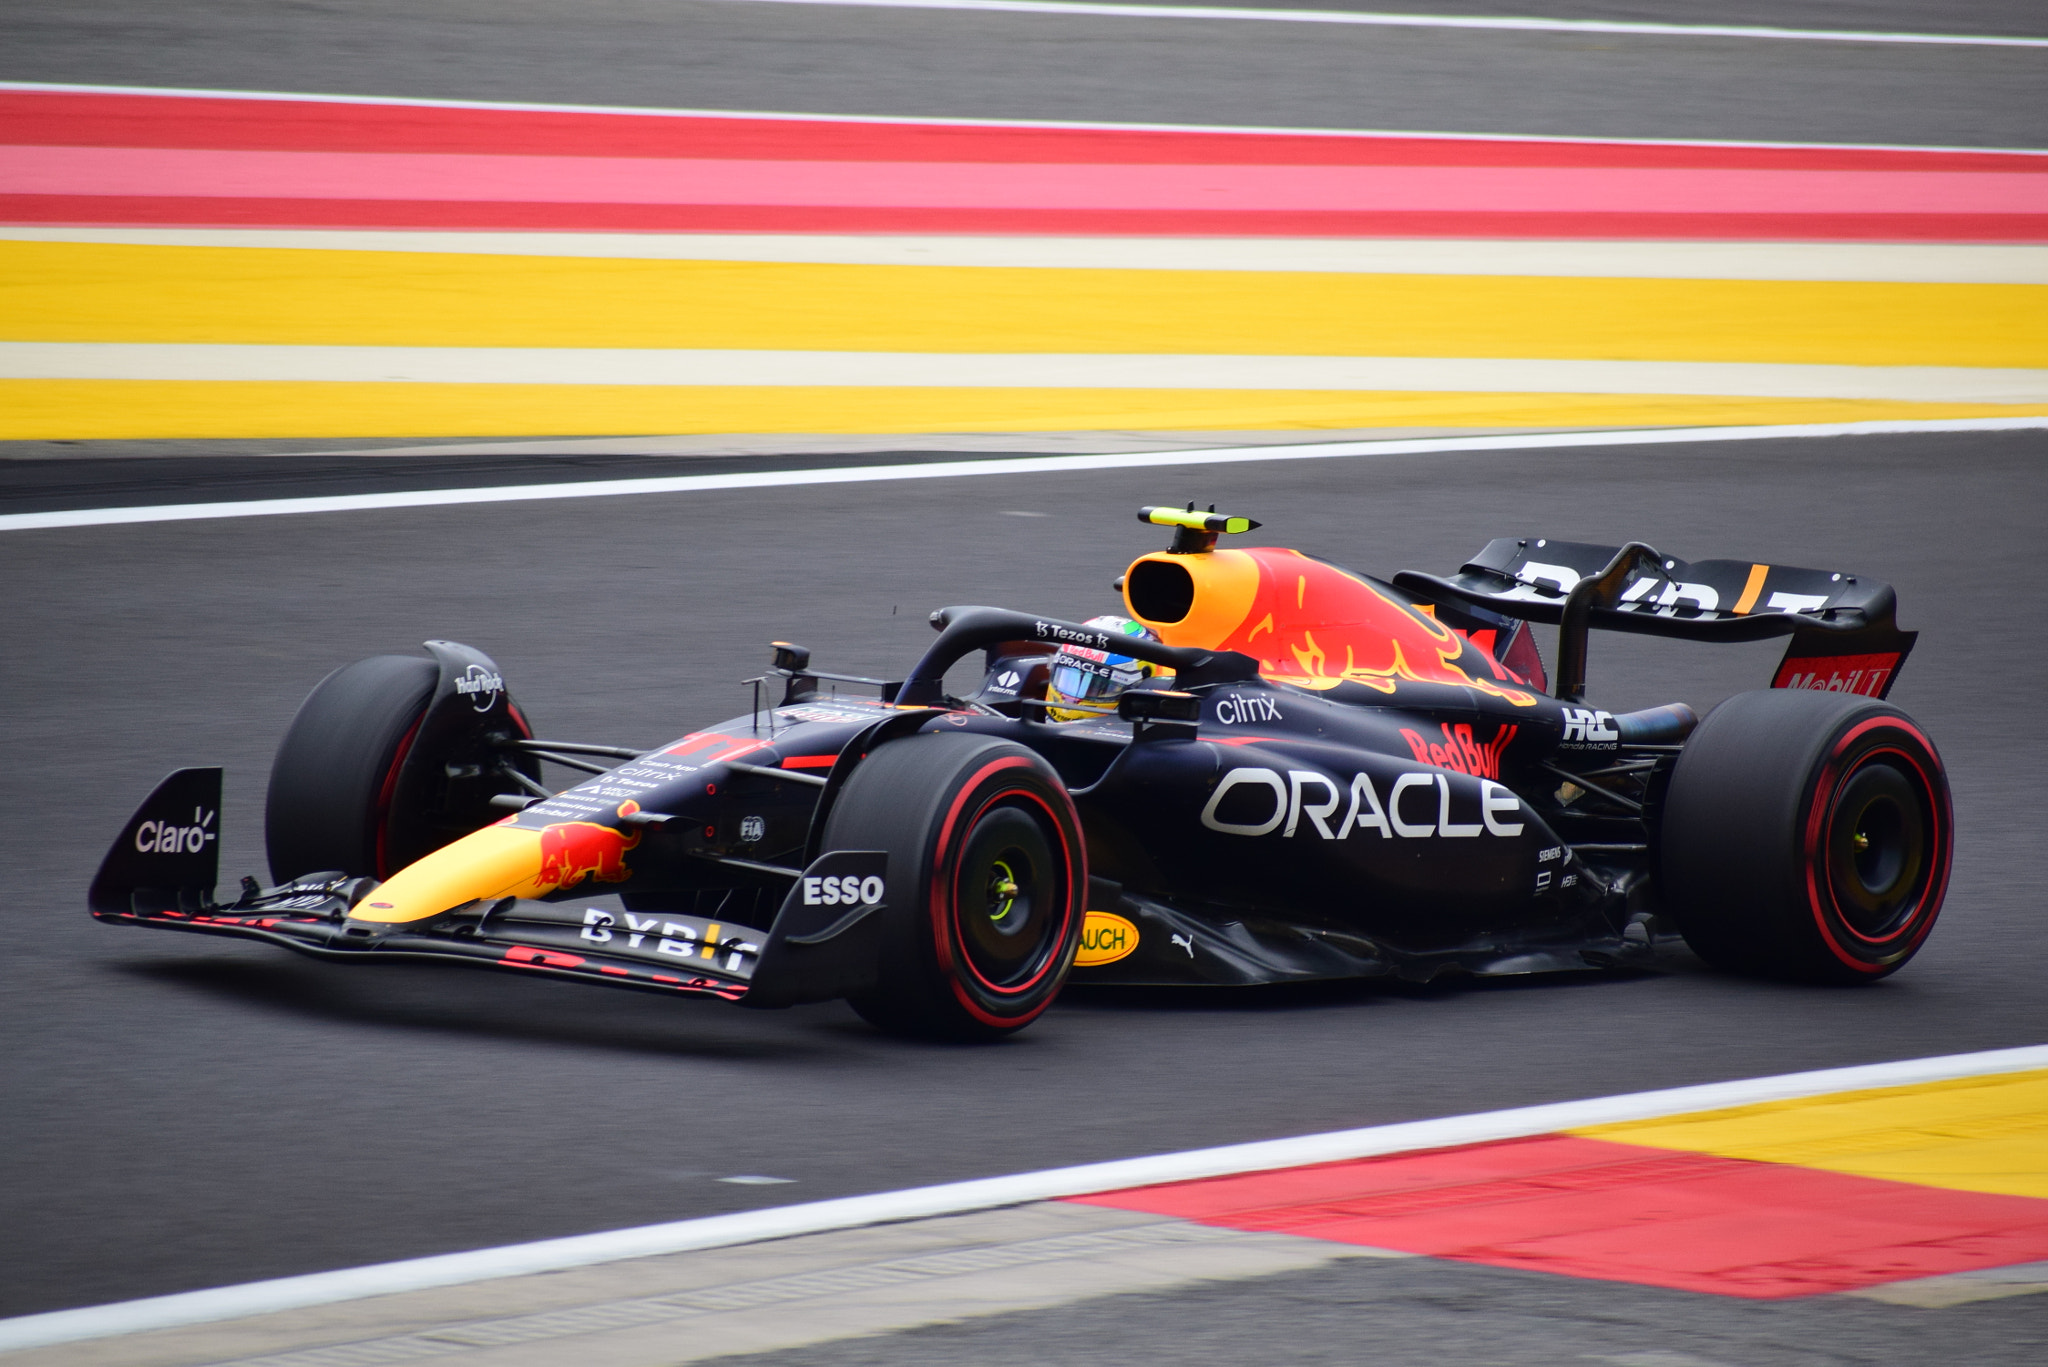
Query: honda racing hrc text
[(1587, 729)]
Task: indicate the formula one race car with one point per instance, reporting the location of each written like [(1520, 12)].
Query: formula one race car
[(1310, 774)]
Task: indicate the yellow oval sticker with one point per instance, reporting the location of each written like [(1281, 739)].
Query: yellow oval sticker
[(1105, 938)]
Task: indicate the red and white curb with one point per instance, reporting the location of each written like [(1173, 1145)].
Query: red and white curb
[(953, 1198)]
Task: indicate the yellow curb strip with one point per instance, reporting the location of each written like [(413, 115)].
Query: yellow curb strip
[(59, 291), (1986, 1134)]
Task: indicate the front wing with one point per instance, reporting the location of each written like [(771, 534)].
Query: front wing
[(539, 938), (161, 873)]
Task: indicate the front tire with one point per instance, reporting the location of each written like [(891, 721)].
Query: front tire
[(987, 877), (335, 801), (1807, 836)]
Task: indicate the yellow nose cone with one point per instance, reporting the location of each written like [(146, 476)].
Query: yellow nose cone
[(497, 861)]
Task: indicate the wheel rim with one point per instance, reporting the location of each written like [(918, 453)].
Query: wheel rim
[(1007, 890), (1877, 850)]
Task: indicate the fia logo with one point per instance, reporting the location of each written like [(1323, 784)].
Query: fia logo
[(752, 828)]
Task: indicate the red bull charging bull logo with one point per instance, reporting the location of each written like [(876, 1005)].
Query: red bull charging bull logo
[(571, 851), (1317, 626)]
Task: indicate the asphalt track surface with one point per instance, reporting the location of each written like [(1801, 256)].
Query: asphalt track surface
[(263, 1114), (34, 486), (710, 54), (182, 1113)]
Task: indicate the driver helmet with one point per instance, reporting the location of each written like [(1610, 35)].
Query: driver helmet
[(1095, 677)]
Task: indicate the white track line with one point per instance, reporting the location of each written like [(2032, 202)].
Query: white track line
[(1865, 262), (516, 106), (1318, 16), (953, 1198), (960, 469)]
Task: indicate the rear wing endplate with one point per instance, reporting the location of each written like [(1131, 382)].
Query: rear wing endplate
[(1844, 636)]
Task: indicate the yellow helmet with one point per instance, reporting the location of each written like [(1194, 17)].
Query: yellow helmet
[(1094, 678)]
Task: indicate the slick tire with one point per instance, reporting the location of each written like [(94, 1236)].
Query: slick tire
[(987, 882), (336, 800), (1807, 836), (336, 771)]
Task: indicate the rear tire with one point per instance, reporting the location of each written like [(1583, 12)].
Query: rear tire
[(1807, 836), (335, 801), (988, 882)]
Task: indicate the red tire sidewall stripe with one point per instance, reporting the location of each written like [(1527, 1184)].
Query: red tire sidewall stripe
[(389, 789), (1826, 790), (941, 902)]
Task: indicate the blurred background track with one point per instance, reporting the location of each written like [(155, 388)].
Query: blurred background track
[(1071, 307), (181, 1116)]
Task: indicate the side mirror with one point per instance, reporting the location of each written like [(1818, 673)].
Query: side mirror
[(1160, 714)]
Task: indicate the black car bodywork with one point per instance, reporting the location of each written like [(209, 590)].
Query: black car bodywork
[(1266, 815)]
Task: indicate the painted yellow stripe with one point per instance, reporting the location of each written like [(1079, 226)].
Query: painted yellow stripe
[(1972, 1134), (60, 291), (104, 409)]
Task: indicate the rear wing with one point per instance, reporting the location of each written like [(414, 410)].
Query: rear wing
[(1844, 637)]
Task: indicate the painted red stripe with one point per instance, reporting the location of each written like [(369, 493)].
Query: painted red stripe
[(810, 761), (273, 125), (1621, 1212), (99, 159), (111, 211), (123, 171)]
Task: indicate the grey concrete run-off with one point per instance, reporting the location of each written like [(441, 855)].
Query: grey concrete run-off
[(1421, 1313), (710, 55), (774, 1295), (184, 1113)]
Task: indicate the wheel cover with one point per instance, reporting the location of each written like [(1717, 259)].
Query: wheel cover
[(1873, 903), (1877, 850), (1007, 890)]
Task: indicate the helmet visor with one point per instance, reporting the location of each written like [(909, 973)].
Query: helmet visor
[(1073, 683)]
